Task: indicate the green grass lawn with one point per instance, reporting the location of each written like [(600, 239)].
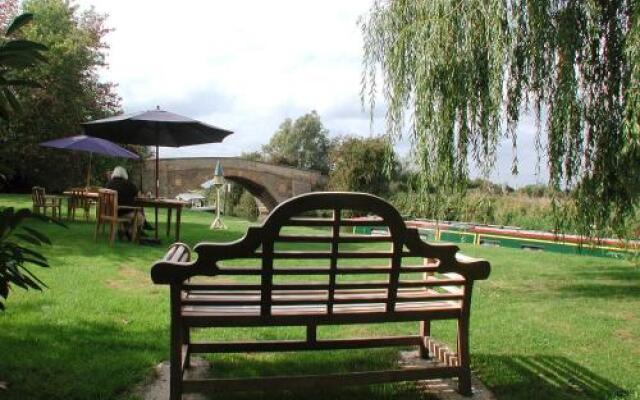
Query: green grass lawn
[(543, 325)]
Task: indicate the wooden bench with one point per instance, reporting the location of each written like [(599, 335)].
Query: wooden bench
[(323, 276)]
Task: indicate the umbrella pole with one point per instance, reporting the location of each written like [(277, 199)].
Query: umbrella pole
[(157, 164), (89, 170), (157, 185)]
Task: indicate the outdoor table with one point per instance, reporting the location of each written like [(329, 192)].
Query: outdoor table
[(88, 194), (170, 205)]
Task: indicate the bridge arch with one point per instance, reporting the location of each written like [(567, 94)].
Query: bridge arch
[(271, 184), (257, 190)]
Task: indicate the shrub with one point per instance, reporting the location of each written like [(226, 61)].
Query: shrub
[(247, 207)]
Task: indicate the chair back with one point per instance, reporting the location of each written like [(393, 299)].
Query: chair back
[(107, 203), (38, 196), (79, 198)]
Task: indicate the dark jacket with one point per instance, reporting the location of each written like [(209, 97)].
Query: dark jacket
[(127, 191)]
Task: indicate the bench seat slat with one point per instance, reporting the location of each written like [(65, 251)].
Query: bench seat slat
[(315, 298), (325, 286), (318, 310)]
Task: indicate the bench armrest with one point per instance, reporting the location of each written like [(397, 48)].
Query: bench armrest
[(473, 268), (174, 266)]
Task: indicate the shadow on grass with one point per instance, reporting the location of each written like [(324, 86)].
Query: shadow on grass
[(543, 377), (86, 360), (607, 282), (309, 363), (601, 291)]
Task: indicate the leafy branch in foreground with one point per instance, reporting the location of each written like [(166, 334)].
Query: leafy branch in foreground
[(16, 54), (462, 73), (15, 256)]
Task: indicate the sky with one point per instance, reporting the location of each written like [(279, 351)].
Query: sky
[(247, 65)]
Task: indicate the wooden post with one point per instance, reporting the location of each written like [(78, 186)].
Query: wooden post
[(312, 334), (175, 379), (425, 326), (464, 377), (425, 331)]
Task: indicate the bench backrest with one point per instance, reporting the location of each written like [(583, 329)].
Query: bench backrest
[(327, 265)]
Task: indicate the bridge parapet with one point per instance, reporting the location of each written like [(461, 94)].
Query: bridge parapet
[(269, 183)]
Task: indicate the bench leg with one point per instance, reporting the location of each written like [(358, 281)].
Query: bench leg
[(425, 331), (464, 377), (175, 379), (186, 339)]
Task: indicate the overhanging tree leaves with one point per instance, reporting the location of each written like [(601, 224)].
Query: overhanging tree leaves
[(16, 54), (72, 92), (464, 71)]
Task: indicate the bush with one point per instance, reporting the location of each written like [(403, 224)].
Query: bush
[(247, 207), (361, 164)]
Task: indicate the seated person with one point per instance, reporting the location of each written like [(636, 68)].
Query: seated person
[(127, 193)]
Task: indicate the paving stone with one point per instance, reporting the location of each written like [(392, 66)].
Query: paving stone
[(437, 389)]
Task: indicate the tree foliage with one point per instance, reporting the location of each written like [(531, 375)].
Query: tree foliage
[(362, 165), (70, 93), (301, 144), (16, 55), (465, 72)]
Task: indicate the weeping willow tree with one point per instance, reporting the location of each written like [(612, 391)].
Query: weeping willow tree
[(457, 76)]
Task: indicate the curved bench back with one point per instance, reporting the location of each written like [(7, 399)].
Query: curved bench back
[(306, 254)]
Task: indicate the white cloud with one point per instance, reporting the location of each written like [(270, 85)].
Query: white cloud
[(243, 65)]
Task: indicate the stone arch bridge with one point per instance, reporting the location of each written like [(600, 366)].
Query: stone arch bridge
[(270, 184)]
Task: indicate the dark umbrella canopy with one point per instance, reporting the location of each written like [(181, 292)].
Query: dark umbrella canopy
[(91, 145), (155, 128)]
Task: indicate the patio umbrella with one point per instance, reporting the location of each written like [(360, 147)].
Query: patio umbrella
[(90, 145), (155, 128)]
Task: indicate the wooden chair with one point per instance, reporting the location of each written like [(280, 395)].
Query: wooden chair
[(41, 202), (388, 286), (78, 200), (107, 214)]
